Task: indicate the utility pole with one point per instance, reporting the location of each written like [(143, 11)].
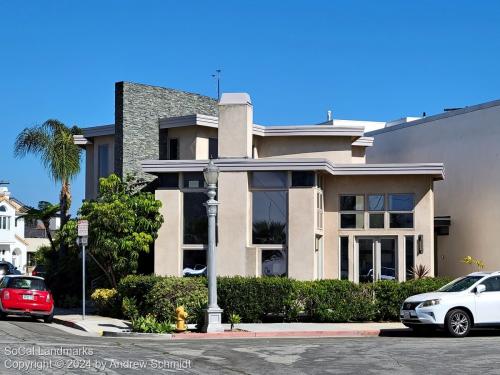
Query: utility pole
[(217, 77)]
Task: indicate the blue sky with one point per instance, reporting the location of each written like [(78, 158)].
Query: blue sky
[(373, 60)]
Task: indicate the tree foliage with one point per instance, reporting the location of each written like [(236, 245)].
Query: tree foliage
[(53, 143), (44, 213), (122, 224)]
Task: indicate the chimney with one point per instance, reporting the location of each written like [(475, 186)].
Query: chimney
[(235, 126), (329, 115)]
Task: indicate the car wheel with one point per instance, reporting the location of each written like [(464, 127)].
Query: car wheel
[(458, 323), (48, 319)]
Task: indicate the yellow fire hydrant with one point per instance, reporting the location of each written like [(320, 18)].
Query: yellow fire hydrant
[(180, 325)]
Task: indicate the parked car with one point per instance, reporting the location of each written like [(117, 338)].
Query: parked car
[(39, 270), (27, 296), (467, 302), (198, 270), (7, 268)]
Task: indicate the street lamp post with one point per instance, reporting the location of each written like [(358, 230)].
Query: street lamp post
[(213, 314)]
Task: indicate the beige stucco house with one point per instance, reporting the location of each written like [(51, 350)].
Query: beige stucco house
[(298, 201)]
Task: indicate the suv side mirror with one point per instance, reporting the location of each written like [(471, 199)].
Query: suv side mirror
[(480, 288)]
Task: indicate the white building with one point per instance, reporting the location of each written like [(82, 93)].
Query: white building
[(13, 246)]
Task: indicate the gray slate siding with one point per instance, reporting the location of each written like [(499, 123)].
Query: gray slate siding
[(138, 108)]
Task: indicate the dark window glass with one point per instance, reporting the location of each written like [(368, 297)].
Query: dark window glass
[(401, 202), (410, 256), (303, 179), (352, 203), (365, 261), (25, 283), (274, 263), (460, 284), (376, 202), (492, 284), (195, 218), (3, 209), (401, 220), (344, 258), (173, 149), (388, 259), (168, 180), (352, 221), (376, 221), (193, 180), (103, 161), (163, 144), (269, 217), (194, 263), (213, 148), (275, 180)]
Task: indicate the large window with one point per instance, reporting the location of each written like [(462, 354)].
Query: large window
[(352, 211), (376, 208), (194, 262), (103, 161), (195, 218), (269, 207), (410, 256), (401, 210), (344, 258)]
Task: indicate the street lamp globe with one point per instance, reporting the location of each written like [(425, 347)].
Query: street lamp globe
[(211, 173)]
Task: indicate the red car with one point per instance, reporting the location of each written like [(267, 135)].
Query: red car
[(26, 295)]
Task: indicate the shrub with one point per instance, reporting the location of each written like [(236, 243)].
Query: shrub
[(148, 324), (389, 295), (107, 302), (338, 301), (159, 296), (170, 292), (258, 299)]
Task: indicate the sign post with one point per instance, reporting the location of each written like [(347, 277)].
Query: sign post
[(83, 236)]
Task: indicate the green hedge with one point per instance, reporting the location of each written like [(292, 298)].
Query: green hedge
[(271, 298)]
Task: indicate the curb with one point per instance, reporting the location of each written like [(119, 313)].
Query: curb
[(69, 323), (279, 334), (165, 336)]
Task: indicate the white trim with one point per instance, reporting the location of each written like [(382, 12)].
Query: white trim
[(290, 164), (80, 140), (363, 142)]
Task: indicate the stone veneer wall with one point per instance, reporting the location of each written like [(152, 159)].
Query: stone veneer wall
[(138, 108)]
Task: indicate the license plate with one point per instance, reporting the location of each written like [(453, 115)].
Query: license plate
[(406, 314), (28, 297)]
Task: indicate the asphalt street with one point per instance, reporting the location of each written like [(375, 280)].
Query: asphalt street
[(35, 347)]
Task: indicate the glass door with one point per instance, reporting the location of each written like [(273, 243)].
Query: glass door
[(366, 259), (377, 259)]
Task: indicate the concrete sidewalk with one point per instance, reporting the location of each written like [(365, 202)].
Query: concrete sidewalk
[(104, 326)]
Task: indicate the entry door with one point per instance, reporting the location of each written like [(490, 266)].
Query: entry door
[(377, 258)]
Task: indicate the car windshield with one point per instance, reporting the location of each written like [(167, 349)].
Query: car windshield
[(25, 283), (461, 284)]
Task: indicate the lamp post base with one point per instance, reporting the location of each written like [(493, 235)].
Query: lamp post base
[(213, 320)]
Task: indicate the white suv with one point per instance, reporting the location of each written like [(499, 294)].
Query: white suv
[(470, 301)]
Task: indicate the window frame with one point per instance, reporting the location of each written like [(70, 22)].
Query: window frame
[(285, 189), (363, 211), (412, 212)]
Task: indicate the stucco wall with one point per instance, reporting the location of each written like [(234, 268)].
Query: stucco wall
[(336, 149), (421, 186), (168, 256), (467, 144)]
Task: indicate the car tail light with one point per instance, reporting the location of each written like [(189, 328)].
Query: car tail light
[(6, 295), (34, 273), (47, 299)]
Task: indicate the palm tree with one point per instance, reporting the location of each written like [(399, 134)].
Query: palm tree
[(44, 213), (53, 143)]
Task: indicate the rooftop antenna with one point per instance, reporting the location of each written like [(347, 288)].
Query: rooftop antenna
[(217, 77)]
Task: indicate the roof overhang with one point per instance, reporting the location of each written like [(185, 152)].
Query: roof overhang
[(81, 141), (308, 130), (436, 170), (189, 120), (363, 142), (99, 131)]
